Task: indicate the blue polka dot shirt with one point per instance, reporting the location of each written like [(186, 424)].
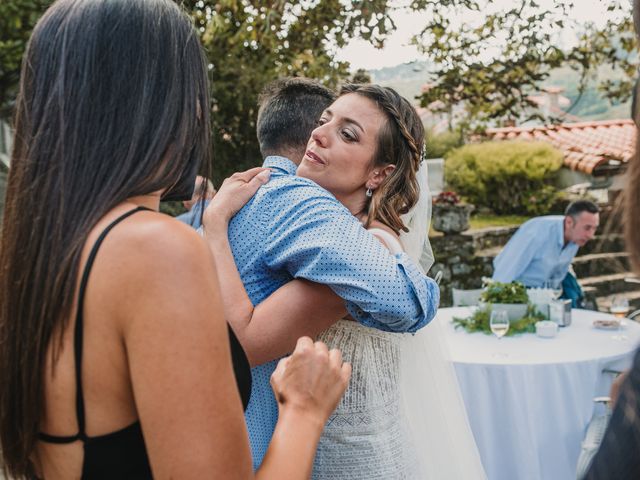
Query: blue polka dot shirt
[(293, 228)]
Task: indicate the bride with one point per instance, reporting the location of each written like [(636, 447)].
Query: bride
[(402, 416)]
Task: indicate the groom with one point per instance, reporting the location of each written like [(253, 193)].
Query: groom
[(292, 228)]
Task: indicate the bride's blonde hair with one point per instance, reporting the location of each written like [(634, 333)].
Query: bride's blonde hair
[(400, 143)]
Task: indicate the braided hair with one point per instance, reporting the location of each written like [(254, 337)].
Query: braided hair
[(400, 143)]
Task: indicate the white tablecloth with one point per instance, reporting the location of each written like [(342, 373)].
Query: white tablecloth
[(529, 399)]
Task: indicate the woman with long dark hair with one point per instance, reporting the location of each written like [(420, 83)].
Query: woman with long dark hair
[(618, 457), (115, 360)]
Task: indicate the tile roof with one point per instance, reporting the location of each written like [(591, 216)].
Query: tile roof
[(587, 146)]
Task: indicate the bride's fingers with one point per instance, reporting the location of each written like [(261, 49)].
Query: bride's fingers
[(249, 175)]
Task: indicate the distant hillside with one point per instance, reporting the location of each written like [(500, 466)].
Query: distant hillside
[(592, 105), (408, 78)]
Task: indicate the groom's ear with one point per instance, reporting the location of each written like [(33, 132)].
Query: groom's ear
[(379, 175)]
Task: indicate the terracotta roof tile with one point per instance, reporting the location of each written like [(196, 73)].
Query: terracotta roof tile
[(586, 145)]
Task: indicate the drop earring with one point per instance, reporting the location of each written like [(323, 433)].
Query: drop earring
[(369, 193)]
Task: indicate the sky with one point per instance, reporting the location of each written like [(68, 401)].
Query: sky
[(397, 49)]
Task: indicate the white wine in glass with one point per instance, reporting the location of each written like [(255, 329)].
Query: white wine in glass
[(619, 307), (499, 323)]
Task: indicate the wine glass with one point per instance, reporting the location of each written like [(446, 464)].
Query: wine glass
[(619, 306), (619, 309), (555, 287), (499, 323)]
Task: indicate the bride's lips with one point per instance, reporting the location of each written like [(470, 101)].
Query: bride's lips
[(313, 158)]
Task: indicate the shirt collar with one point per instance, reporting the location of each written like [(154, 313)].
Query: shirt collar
[(276, 162), (560, 227)]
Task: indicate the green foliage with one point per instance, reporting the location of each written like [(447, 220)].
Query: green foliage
[(508, 177), (439, 144), (172, 208), (248, 44), (361, 76), (482, 220), (498, 292), (17, 18), (489, 56), (251, 43), (478, 321)]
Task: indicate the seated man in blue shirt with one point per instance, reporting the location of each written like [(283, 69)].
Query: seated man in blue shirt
[(542, 249), (195, 205), (293, 228)]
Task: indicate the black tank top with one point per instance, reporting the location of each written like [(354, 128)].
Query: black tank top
[(122, 454)]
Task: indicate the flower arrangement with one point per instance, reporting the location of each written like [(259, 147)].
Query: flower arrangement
[(498, 292), (447, 198), (478, 321), (508, 295)]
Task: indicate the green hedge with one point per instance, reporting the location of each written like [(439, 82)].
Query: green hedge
[(439, 144), (509, 177)]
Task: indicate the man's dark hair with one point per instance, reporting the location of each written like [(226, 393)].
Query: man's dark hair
[(576, 208), (289, 111)]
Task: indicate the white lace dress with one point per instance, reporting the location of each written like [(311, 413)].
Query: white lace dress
[(366, 437), (399, 418)]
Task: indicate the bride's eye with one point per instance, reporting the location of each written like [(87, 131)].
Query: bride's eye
[(321, 121), (348, 135)]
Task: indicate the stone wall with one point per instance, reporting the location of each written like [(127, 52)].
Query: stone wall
[(465, 258)]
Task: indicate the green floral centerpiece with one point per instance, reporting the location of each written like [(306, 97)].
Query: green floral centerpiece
[(498, 292), (511, 297)]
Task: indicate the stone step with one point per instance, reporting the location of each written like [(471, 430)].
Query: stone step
[(492, 237), (596, 264), (604, 303), (603, 285)]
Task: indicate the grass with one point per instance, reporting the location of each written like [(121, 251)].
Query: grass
[(484, 221)]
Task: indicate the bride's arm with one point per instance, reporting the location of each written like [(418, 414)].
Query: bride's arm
[(269, 330)]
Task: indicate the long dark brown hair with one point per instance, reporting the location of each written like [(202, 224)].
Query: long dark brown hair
[(400, 143), (632, 188), (113, 103)]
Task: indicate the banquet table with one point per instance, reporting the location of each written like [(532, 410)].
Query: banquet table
[(530, 399)]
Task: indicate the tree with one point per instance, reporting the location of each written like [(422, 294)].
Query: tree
[(490, 65), (17, 19), (250, 43)]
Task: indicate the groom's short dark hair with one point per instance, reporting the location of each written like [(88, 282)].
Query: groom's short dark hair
[(289, 111)]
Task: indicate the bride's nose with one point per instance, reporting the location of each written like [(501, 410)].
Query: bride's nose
[(319, 135)]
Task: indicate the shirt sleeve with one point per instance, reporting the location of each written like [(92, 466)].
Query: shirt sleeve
[(313, 236), (515, 257)]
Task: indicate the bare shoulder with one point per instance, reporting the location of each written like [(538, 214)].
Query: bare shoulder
[(157, 241), (386, 236), (375, 224), (152, 257)]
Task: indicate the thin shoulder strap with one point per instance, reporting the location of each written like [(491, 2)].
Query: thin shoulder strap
[(77, 336)]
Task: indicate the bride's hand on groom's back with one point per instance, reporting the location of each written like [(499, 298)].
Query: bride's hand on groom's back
[(234, 193), (311, 380)]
